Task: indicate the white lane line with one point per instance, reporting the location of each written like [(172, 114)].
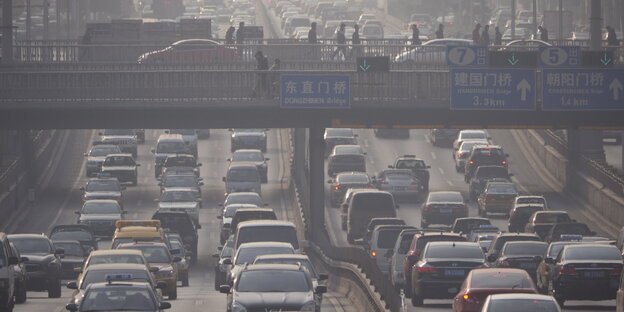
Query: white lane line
[(366, 142), (433, 155), (426, 138), (441, 170), (449, 183), (372, 161), (149, 167)]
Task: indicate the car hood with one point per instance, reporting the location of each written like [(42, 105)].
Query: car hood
[(107, 194), (177, 205), (38, 258), (117, 137), (273, 299), (128, 168), (100, 217), (73, 259), (96, 158), (248, 135)]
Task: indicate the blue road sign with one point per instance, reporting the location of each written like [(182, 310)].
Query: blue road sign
[(560, 56), (315, 91), (467, 56), (582, 89), (492, 89)]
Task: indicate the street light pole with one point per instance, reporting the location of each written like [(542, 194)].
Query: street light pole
[(595, 25), (7, 32)]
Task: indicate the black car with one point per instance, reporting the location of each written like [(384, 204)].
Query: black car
[(182, 223), (96, 156), (586, 272), (221, 269), (43, 268), (181, 180), (344, 181), (418, 167), (20, 291), (484, 155), (255, 156), (374, 222), (485, 174), (442, 268), (524, 255), (520, 215), (338, 136), (465, 225), (80, 232), (501, 239), (442, 137), (249, 138), (73, 257), (121, 166), (568, 228), (181, 161), (346, 158), (443, 208)]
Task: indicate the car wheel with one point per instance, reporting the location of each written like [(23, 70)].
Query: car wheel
[(20, 292), (417, 301), (174, 293), (54, 288), (560, 301), (265, 178), (9, 305)]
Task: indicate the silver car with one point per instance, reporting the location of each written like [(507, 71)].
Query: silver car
[(398, 182), (399, 252), (242, 177), (461, 154), (180, 199)]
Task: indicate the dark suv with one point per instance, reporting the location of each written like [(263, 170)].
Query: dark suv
[(418, 167), (43, 267), (484, 155), (485, 174), (182, 223)]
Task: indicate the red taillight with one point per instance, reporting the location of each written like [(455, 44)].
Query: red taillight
[(567, 271), (616, 271), (471, 162), (428, 208), (427, 269), (504, 162), (384, 182), (469, 298), (461, 155), (373, 254), (337, 187)]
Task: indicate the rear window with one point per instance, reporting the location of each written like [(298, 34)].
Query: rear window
[(522, 305), (495, 279), (593, 253), (171, 147), (578, 228), (454, 252), (387, 238), (373, 201), (284, 234), (248, 255), (352, 178), (411, 164), (489, 152), (501, 188), (337, 132), (516, 249), (426, 239), (552, 217), (530, 200), (473, 135), (446, 197), (399, 176), (242, 175), (99, 276)]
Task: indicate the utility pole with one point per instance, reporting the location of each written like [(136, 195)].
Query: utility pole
[(595, 25), (513, 19), (560, 35), (7, 32), (535, 18), (28, 19), (46, 19)]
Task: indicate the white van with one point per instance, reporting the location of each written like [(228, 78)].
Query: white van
[(266, 231), (364, 205), (242, 177)]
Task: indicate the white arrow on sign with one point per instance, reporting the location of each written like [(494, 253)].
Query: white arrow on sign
[(616, 87), (523, 87)]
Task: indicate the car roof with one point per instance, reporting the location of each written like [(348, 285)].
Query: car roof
[(142, 244), (264, 244), (446, 243), (27, 236), (516, 234), (272, 266), (116, 252), (170, 137), (284, 256), (247, 150), (120, 155), (66, 241), (116, 266), (101, 285), (488, 271), (242, 164), (251, 208), (521, 296), (111, 201), (253, 223), (178, 189)]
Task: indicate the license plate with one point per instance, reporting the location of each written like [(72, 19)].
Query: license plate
[(527, 266), (400, 188), (594, 274), (446, 210), (453, 272)]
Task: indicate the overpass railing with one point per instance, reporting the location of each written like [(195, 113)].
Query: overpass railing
[(204, 85)]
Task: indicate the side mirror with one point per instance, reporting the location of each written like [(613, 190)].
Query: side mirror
[(154, 269), (153, 151), (219, 248), (484, 249), (428, 167), (161, 285), (592, 233), (491, 258), (23, 259), (100, 133), (138, 165), (123, 188), (537, 258), (390, 167), (198, 227), (223, 179), (71, 307), (227, 261), (72, 285), (224, 289), (228, 159), (164, 305), (506, 155), (200, 183), (167, 131), (77, 212), (265, 205), (78, 270), (177, 259), (397, 206), (124, 212), (159, 183), (321, 289), (323, 277), (549, 260), (511, 174), (267, 159), (489, 138), (355, 135), (329, 181), (175, 251), (389, 253), (13, 261), (199, 164)]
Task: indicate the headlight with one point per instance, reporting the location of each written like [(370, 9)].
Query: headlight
[(237, 307), (165, 272), (310, 306)]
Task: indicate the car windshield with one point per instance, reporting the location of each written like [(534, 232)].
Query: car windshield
[(230, 210), (100, 208), (171, 147), (98, 151), (79, 235), (247, 156), (273, 281), (246, 198), (125, 132), (337, 132), (492, 172), (248, 255), (523, 305), (242, 175), (180, 162), (181, 223), (103, 185), (103, 259), (352, 178), (177, 196), (347, 149), (530, 200), (411, 164), (118, 161), (304, 262), (548, 217), (182, 131), (71, 249), (180, 181), (501, 188), (99, 276), (593, 253), (454, 252), (387, 238), (473, 135), (118, 298), (488, 152), (531, 249), (495, 279), (248, 130), (32, 245), (400, 176), (445, 197), (153, 254)]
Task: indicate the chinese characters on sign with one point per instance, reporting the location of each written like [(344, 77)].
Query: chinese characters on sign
[(560, 56), (315, 91), (467, 55), (582, 89), (492, 89)]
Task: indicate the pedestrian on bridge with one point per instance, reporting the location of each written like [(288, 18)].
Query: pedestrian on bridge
[(543, 33), (485, 36), (355, 42), (440, 32), (612, 37), (312, 37), (262, 85), (415, 35), (274, 79), (498, 37), (476, 34), (229, 35), (341, 41), (240, 38)]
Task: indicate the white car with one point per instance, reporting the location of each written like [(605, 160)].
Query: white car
[(430, 52), (520, 302), (470, 135)]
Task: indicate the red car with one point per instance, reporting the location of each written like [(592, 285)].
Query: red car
[(416, 247), (480, 283), (191, 51)]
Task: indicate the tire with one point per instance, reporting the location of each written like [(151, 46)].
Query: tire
[(560, 301), (174, 294), (185, 280), (194, 256), (20, 292), (407, 289), (54, 288), (9, 305), (417, 301)]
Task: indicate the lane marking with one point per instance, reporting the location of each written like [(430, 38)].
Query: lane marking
[(441, 170), (433, 155), (427, 139), (449, 183)]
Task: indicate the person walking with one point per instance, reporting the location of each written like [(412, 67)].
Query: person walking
[(229, 35), (274, 79), (262, 65), (240, 38), (355, 42), (440, 32), (485, 35), (415, 35), (476, 34), (341, 40), (498, 37), (612, 37), (543, 33), (312, 37)]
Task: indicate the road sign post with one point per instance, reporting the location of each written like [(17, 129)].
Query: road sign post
[(582, 89), (492, 89), (315, 91), (513, 59), (372, 64)]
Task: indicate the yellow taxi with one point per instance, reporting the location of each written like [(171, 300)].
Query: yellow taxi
[(128, 231)]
